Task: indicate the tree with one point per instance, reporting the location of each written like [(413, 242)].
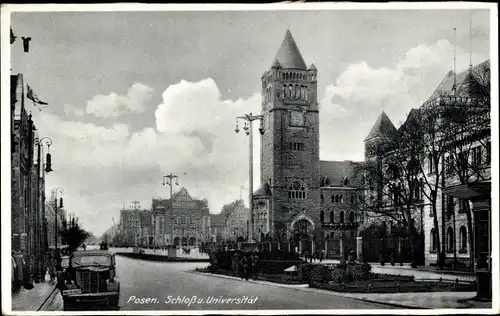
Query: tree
[(73, 234), (467, 129), (392, 174)]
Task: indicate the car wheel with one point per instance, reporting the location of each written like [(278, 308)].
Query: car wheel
[(114, 300)]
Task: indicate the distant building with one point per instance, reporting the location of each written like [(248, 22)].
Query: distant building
[(180, 221), (217, 228), (236, 217)]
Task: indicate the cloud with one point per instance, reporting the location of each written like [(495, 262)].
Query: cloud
[(114, 105), (101, 167), (71, 110), (351, 105)]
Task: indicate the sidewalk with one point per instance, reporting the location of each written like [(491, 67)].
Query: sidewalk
[(434, 300), (418, 273), (32, 300)]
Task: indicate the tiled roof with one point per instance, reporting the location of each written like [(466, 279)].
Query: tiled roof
[(446, 87), (337, 171), (382, 127), (288, 55)]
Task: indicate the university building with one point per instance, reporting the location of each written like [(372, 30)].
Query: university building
[(465, 169), (181, 220)]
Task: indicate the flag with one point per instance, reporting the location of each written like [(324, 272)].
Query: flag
[(33, 97), (12, 37), (26, 44)]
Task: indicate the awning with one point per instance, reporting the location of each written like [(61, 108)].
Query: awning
[(469, 191)]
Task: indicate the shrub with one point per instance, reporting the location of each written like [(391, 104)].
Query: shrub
[(361, 272), (304, 271), (321, 273), (338, 275)]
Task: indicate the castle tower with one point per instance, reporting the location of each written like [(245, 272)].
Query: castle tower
[(290, 143)]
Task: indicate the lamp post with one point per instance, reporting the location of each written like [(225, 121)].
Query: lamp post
[(56, 190), (42, 169), (249, 118), (170, 177)]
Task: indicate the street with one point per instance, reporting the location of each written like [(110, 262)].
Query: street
[(142, 280)]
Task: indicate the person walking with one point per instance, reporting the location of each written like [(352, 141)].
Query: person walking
[(255, 266)]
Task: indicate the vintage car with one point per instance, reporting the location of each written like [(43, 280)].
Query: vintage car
[(90, 278)]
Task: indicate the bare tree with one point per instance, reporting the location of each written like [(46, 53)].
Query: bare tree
[(393, 176), (467, 129)]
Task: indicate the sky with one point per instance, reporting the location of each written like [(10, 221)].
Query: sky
[(134, 96)]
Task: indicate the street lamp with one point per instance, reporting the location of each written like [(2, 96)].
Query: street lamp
[(42, 168), (170, 177), (56, 190), (249, 118)]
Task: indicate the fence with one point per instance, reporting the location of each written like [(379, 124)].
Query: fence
[(389, 247)]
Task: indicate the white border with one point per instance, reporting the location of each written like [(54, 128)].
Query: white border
[(6, 10)]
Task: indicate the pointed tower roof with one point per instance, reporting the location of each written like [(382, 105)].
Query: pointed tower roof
[(313, 67), (276, 64), (288, 55), (382, 127)]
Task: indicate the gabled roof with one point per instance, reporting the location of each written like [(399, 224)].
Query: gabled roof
[(313, 67), (288, 55), (335, 172), (182, 193), (446, 87), (383, 127)]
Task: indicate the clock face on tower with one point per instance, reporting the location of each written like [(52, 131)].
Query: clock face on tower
[(297, 118)]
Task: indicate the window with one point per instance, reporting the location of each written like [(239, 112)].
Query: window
[(342, 217), (352, 217), (450, 239), (476, 156), (433, 240), (463, 158), (431, 164), (322, 217), (336, 198), (297, 190), (463, 239), (450, 206), (352, 198), (448, 161), (296, 146), (322, 199), (341, 199), (462, 205), (331, 217)]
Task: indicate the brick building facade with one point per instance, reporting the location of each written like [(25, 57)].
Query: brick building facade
[(288, 206)]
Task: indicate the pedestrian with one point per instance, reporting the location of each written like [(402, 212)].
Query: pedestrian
[(255, 266), (52, 268)]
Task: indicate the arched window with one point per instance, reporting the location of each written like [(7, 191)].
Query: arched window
[(342, 217), (433, 240), (332, 219), (290, 92), (336, 198), (333, 198), (352, 217), (297, 190), (341, 199), (352, 198), (322, 199), (450, 239), (463, 238), (322, 217), (297, 91)]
